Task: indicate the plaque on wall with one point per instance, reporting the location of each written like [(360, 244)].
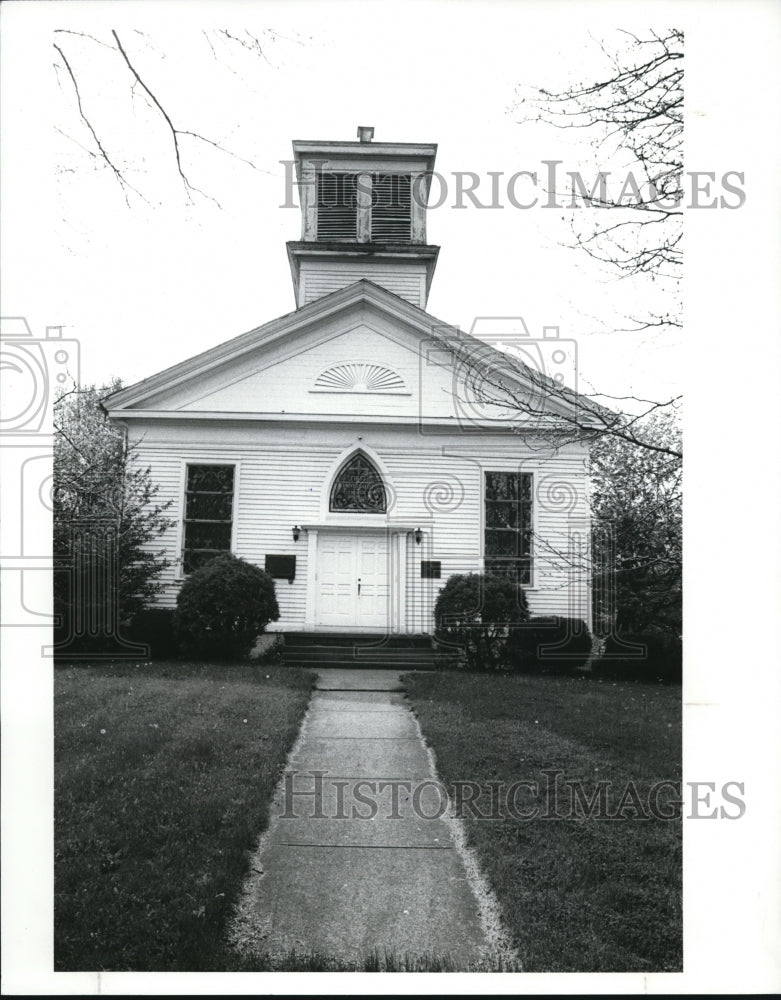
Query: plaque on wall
[(281, 567)]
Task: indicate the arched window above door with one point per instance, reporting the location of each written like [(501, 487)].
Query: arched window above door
[(358, 488)]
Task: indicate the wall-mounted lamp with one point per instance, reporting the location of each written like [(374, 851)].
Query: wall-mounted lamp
[(418, 536), (296, 532)]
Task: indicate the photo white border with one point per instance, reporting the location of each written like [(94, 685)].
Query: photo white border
[(732, 418)]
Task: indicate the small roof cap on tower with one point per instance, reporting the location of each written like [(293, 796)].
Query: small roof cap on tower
[(365, 133)]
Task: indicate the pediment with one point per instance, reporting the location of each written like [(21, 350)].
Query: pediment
[(362, 341)]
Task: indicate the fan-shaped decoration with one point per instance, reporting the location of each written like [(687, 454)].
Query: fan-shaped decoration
[(360, 376), (359, 487)]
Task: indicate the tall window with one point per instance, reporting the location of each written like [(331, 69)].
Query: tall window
[(208, 514), (388, 217), (508, 524), (358, 488)]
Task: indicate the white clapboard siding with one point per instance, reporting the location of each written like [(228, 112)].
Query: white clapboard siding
[(434, 481), (406, 280)]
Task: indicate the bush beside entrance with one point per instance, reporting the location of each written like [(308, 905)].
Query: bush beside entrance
[(475, 613), (223, 607)]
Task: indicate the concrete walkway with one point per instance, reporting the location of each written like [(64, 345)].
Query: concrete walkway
[(351, 864)]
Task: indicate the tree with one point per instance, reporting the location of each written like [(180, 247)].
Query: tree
[(106, 520), (636, 507), (634, 117)]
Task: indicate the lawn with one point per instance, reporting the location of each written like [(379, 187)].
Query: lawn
[(580, 893), (163, 779)]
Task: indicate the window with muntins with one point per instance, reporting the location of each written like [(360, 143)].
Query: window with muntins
[(508, 524), (358, 488), (208, 517), (388, 217)]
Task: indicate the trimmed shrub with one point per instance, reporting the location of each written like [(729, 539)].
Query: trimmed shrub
[(223, 607), (157, 628), (642, 656), (550, 644), (475, 613)]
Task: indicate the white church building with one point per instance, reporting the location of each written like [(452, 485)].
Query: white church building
[(358, 448)]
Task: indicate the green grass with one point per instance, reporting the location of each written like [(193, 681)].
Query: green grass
[(582, 894), (163, 779), (375, 961)]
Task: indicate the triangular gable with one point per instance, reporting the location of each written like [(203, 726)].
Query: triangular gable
[(202, 383)]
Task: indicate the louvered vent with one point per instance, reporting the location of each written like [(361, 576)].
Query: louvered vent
[(360, 377), (337, 206), (391, 208)]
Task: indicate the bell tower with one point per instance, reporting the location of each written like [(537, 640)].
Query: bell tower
[(363, 215)]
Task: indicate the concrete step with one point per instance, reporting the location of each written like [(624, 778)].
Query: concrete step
[(352, 650), (356, 665), (345, 659), (359, 650), (299, 639)]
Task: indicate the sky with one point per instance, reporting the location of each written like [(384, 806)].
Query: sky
[(140, 288), (144, 286)]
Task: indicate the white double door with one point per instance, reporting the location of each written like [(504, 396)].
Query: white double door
[(353, 583)]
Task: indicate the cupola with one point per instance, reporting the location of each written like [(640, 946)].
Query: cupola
[(363, 215)]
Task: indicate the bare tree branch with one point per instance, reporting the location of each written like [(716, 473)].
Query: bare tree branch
[(504, 383), (636, 110), (83, 34), (117, 173), (174, 131), (249, 42), (159, 103)]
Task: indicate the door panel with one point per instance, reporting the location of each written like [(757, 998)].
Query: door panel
[(352, 573), (372, 602)]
